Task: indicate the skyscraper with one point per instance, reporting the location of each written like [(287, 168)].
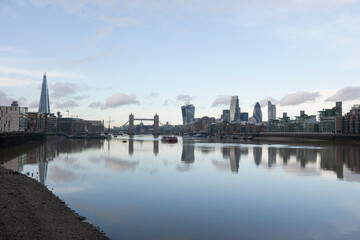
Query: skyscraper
[(234, 109), (257, 113), (271, 111), (44, 106), (188, 113)]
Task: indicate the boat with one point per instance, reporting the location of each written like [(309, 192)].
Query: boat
[(169, 139)]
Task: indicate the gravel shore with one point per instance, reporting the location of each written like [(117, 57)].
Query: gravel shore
[(28, 210)]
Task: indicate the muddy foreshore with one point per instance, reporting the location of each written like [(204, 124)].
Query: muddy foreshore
[(28, 210)]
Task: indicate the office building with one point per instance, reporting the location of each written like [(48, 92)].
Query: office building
[(44, 105), (226, 115), (188, 113), (234, 109), (244, 116), (271, 111), (257, 114)]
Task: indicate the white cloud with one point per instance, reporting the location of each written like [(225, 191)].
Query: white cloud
[(298, 98), (38, 74), (14, 82), (185, 98), (221, 100), (120, 99), (34, 104), (66, 104), (96, 105), (345, 94), (4, 99), (264, 102), (64, 89)]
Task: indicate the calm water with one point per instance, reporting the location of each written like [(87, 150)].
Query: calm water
[(145, 189)]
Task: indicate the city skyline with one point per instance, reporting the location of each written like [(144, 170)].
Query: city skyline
[(110, 59)]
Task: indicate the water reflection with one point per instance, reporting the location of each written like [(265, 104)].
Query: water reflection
[(257, 154), (343, 161), (188, 152), (235, 154), (101, 179)]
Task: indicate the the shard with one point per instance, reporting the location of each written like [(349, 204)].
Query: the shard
[(44, 106)]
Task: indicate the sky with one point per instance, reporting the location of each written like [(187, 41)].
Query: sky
[(107, 59)]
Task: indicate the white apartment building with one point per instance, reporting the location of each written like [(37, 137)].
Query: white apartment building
[(13, 118)]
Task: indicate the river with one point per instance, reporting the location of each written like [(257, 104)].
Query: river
[(142, 188)]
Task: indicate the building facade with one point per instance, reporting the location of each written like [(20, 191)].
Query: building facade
[(271, 111), (188, 113), (330, 119), (226, 115), (13, 118), (44, 104), (257, 114), (234, 109)]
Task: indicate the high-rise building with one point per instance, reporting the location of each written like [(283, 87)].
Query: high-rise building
[(188, 113), (234, 109), (226, 115), (244, 116), (44, 105), (257, 114), (271, 111)]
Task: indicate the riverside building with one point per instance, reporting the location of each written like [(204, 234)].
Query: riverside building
[(271, 111), (13, 118)]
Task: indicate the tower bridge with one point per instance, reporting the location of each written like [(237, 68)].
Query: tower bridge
[(131, 130)]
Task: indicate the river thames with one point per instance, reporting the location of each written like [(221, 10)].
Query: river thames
[(142, 188)]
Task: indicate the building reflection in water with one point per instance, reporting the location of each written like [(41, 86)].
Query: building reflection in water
[(156, 147), (188, 152), (271, 156), (131, 146), (226, 152), (41, 153), (257, 154), (235, 154)]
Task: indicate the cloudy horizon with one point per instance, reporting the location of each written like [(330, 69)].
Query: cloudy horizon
[(113, 58)]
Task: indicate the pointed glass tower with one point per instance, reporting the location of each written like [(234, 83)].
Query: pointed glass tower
[(44, 106)]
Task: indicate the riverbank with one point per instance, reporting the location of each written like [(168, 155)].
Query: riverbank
[(14, 139), (28, 210)]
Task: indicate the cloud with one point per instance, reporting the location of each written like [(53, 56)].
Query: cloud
[(221, 100), (96, 105), (185, 98), (264, 102), (298, 98), (67, 104), (345, 94), (14, 82), (120, 99), (153, 95), (166, 102), (63, 89), (103, 32), (4, 99), (38, 74), (34, 104), (88, 59)]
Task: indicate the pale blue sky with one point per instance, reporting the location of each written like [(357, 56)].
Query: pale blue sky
[(149, 57)]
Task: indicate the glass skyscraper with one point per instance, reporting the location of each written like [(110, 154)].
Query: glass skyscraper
[(188, 113), (234, 109), (271, 111), (257, 113), (44, 105)]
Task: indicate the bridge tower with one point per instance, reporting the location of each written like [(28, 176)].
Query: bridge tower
[(156, 125), (131, 130)]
